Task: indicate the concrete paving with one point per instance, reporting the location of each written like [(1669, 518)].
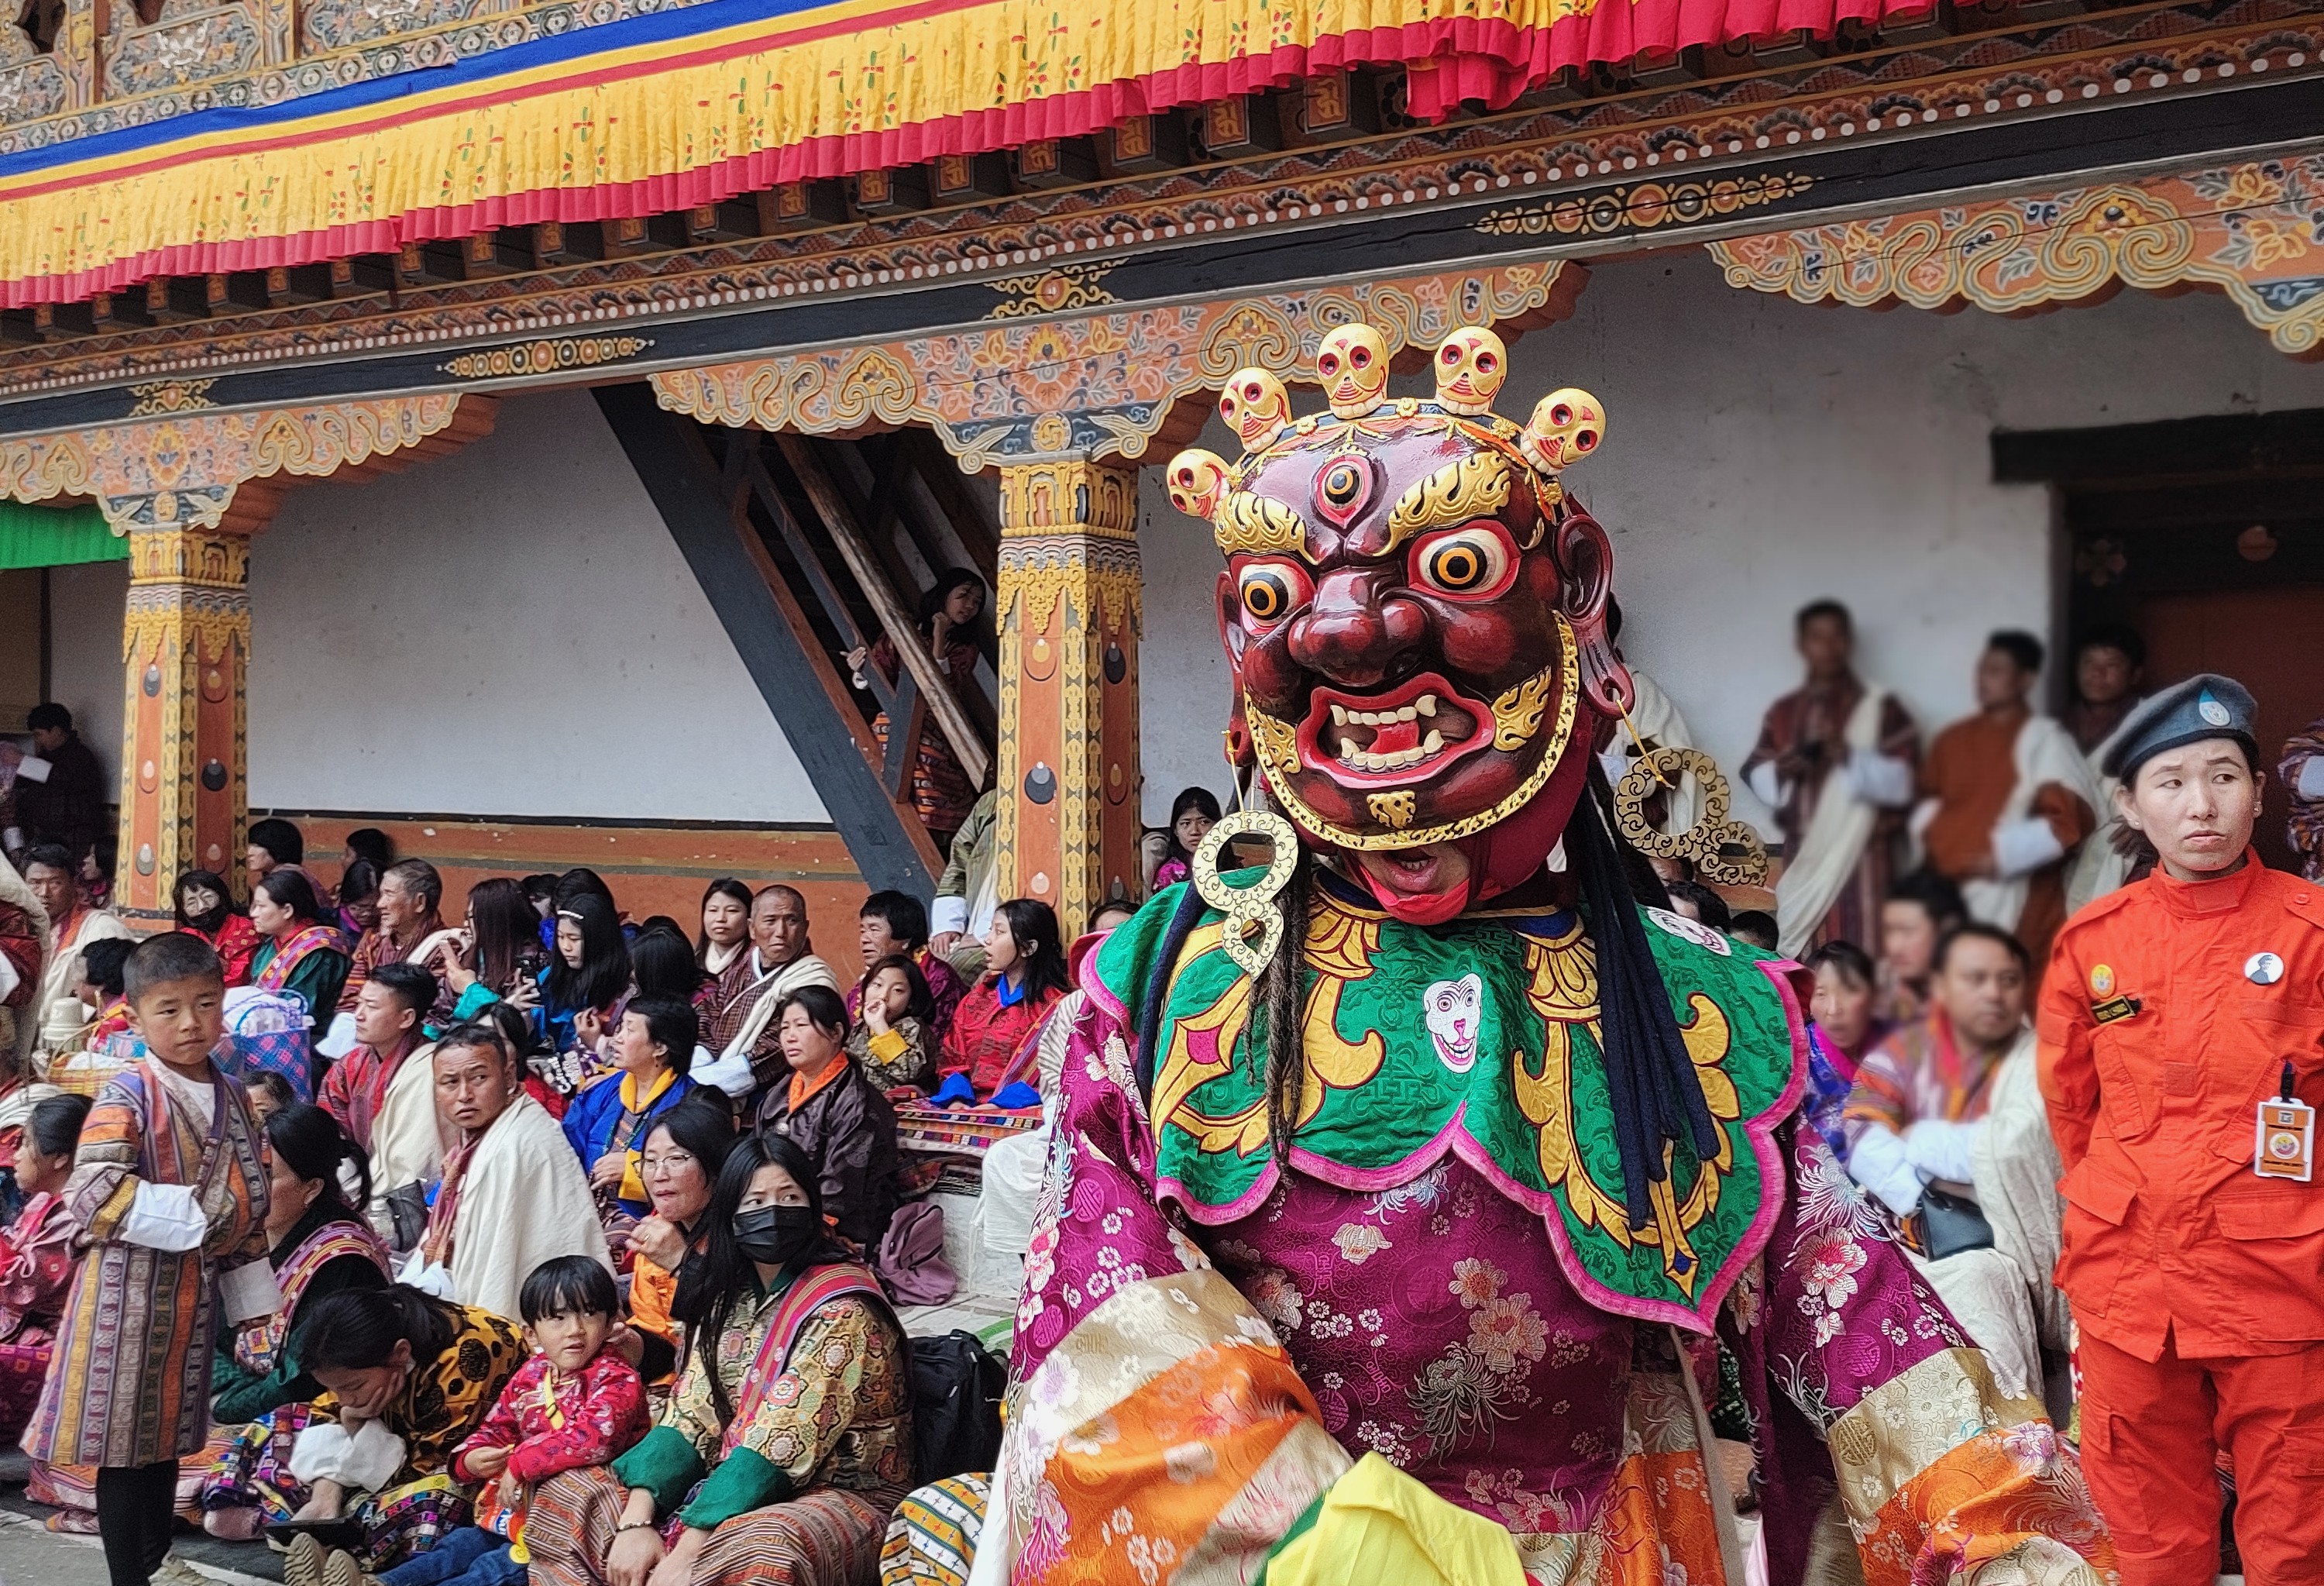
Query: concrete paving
[(32, 1555)]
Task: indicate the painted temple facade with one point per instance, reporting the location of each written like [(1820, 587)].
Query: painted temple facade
[(673, 350)]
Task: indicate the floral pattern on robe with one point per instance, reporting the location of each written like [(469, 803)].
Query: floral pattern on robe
[(1179, 1394)]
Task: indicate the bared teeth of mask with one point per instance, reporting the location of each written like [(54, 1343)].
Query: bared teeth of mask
[(1433, 742), (1406, 714), (1339, 716), (1426, 705)]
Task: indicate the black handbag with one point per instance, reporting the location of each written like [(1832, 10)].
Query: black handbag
[(1950, 1224), (407, 1210)]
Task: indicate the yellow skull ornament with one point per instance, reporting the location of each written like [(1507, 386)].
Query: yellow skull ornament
[(1196, 479), (1255, 405), (1471, 366), (1353, 366), (1566, 425)]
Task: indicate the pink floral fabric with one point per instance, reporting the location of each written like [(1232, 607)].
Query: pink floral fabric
[(1435, 1325)]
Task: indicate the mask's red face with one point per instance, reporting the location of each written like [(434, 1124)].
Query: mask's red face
[(1415, 616), (1405, 670)]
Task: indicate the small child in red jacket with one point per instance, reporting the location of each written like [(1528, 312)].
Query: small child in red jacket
[(575, 1403)]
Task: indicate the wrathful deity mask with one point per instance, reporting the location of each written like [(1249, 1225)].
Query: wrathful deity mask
[(1413, 613)]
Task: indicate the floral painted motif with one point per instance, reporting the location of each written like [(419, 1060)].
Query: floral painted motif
[(2247, 230)]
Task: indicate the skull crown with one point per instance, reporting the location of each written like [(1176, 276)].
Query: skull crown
[(1351, 364)]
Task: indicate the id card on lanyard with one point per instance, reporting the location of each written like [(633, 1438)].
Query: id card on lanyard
[(2285, 1144)]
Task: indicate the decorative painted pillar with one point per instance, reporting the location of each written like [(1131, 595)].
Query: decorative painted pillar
[(190, 488), (186, 646), (1068, 608)]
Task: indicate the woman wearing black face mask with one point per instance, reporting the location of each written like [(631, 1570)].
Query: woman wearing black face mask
[(792, 1412)]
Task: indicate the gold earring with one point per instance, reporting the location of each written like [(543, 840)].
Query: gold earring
[(1723, 850), (1250, 907)]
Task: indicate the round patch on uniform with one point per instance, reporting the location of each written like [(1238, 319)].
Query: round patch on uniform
[(2102, 979), (1693, 930), (2263, 969), (2212, 711)]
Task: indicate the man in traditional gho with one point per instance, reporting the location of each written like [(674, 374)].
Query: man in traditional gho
[(2110, 664), (1835, 760), (1945, 1127), (1392, 1181), (2006, 799), (2180, 1057), (741, 1031)]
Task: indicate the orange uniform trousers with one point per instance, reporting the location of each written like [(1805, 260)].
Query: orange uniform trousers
[(2152, 1433)]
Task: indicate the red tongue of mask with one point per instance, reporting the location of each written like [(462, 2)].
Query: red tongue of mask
[(1504, 854)]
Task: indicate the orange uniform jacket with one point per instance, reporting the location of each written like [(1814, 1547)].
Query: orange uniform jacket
[(2169, 1233)]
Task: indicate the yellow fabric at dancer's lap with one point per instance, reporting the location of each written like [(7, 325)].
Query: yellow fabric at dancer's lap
[(1379, 1523)]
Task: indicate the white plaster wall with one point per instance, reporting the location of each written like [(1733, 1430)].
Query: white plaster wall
[(1761, 453), (506, 631), (85, 607), (1182, 688)]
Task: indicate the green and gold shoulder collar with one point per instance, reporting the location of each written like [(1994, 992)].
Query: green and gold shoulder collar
[(1479, 1038)]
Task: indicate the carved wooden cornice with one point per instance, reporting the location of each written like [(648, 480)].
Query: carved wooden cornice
[(2247, 230), (192, 469), (1106, 383)]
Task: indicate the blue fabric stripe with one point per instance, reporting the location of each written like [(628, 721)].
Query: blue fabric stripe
[(654, 28)]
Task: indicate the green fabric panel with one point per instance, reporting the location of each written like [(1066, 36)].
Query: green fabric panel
[(1418, 1032), (745, 1480), (665, 1463), (56, 536)]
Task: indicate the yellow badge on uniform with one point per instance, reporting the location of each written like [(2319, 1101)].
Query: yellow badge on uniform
[(2285, 1145), (2102, 980)]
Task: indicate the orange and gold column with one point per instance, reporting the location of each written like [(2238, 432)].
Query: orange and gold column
[(1069, 615), (186, 643)]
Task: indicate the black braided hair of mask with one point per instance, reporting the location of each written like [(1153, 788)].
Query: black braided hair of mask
[(1183, 921), (1645, 886), (1276, 1028), (1654, 1094), (1272, 1039)]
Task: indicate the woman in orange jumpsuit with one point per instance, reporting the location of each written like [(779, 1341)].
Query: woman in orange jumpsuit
[(2181, 1033)]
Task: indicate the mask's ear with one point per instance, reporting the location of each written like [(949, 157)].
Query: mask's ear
[(1585, 558), (1241, 754)]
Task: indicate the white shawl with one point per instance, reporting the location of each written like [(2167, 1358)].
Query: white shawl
[(731, 1070), (55, 1003), (2098, 869), (2044, 754), (524, 1201), (1834, 841), (1657, 719), (2017, 1172), (407, 1137), (2002, 1295)]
